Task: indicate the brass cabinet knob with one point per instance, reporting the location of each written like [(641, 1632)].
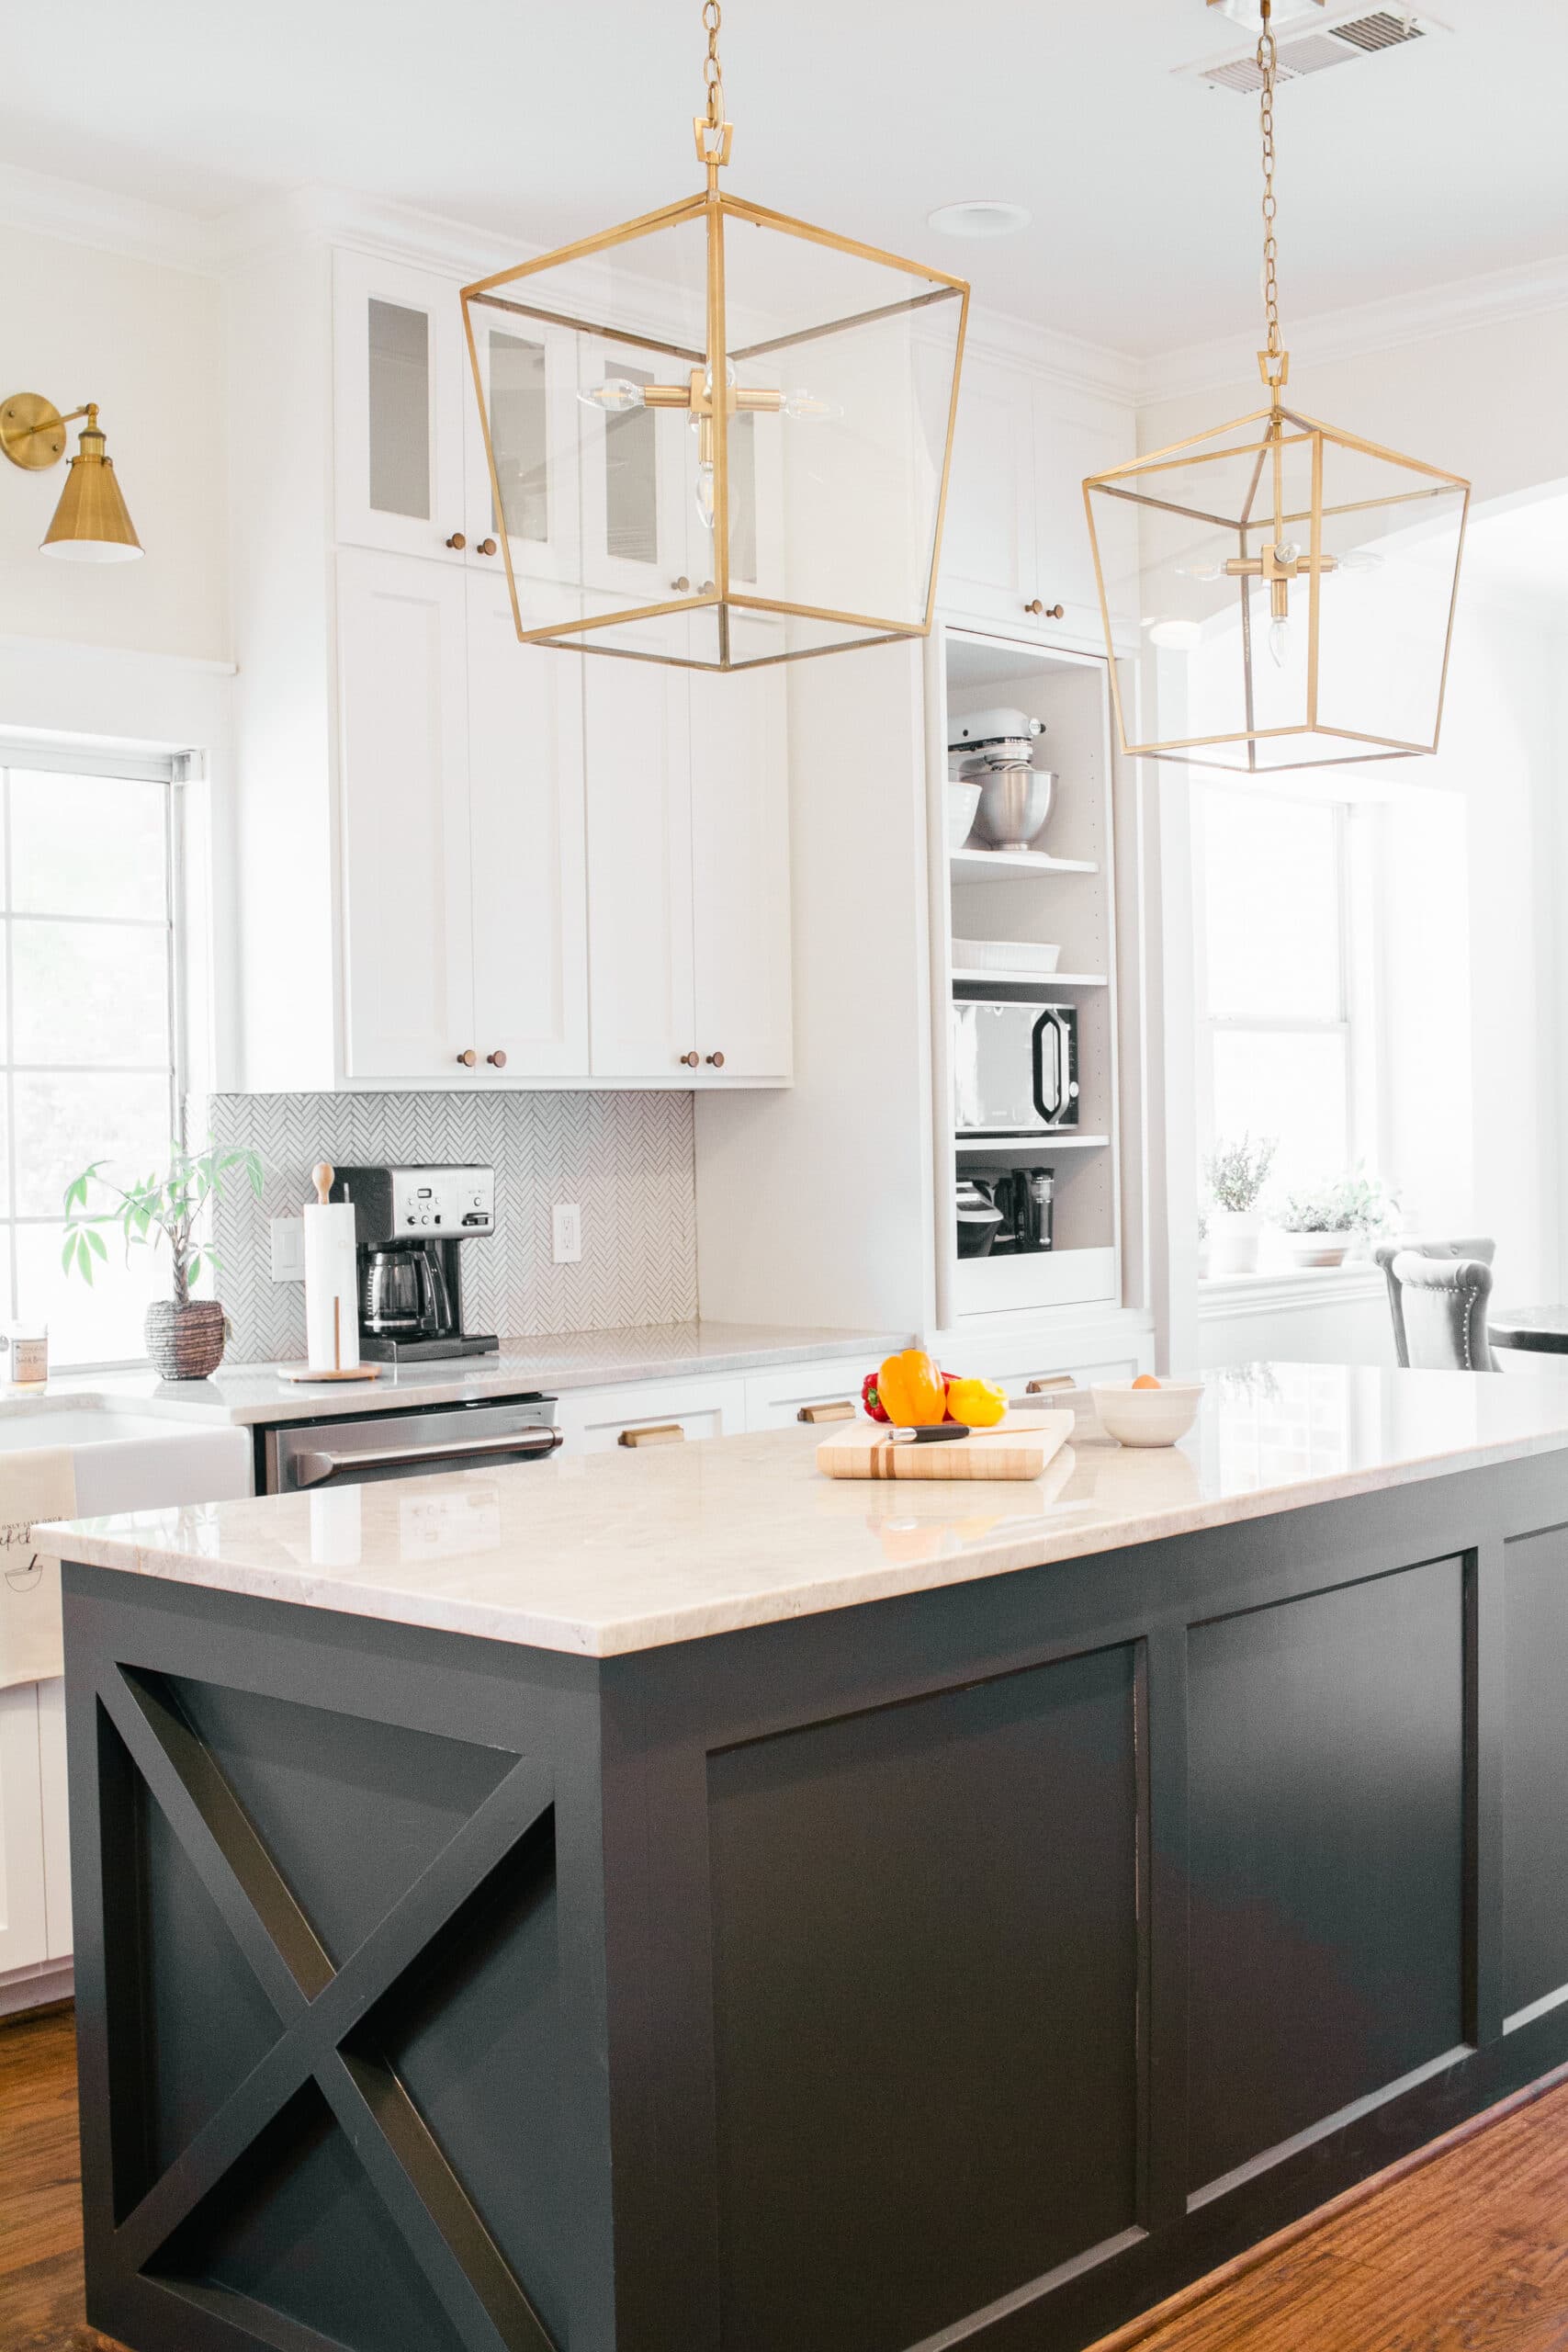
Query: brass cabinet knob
[(689, 1061), (716, 1061), (468, 1058), (681, 585), (496, 1060), (706, 588), (1051, 611), (457, 540), (487, 547)]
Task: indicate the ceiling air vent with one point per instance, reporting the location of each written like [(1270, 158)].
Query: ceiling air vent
[(1313, 51)]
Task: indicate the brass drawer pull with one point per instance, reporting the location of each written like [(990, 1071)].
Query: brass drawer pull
[(840, 1409), (1051, 1385), (498, 1059), (468, 1058), (653, 1433), (716, 1061), (457, 540), (1046, 612), (487, 547)]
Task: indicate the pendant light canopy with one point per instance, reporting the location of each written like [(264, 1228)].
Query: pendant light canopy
[(91, 523), (1307, 575), (718, 436)]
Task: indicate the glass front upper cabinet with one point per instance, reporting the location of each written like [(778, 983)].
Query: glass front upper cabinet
[(400, 396)]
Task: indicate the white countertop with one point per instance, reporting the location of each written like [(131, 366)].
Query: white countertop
[(604, 1553), (254, 1393)]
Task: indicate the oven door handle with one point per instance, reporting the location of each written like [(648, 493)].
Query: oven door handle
[(315, 1469)]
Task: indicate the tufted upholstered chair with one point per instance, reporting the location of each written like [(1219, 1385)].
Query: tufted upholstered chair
[(1444, 1302), (1478, 1246)]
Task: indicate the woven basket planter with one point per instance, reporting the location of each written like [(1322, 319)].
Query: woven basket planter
[(185, 1342)]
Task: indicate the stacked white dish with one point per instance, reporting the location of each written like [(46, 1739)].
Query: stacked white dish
[(1026, 955)]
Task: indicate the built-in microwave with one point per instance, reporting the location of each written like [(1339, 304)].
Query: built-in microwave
[(1015, 1067)]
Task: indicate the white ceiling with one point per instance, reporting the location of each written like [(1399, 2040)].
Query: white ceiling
[(1397, 174)]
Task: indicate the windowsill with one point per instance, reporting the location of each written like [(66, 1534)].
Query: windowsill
[(1284, 1286)]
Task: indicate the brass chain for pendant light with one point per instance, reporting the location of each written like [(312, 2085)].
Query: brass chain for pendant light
[(713, 73), (712, 133), (1268, 61)]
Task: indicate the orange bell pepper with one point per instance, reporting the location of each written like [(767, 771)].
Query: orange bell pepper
[(911, 1390)]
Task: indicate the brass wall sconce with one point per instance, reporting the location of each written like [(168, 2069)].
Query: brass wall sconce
[(91, 525)]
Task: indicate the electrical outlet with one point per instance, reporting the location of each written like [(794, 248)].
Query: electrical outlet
[(566, 1233), (288, 1234)]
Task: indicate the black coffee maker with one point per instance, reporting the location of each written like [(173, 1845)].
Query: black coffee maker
[(408, 1224)]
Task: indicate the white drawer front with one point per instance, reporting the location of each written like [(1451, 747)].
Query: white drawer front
[(804, 1392), (595, 1420)]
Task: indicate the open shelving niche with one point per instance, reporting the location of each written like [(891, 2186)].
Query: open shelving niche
[(1061, 893)]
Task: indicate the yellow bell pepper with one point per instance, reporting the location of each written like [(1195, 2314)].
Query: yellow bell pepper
[(978, 1403), (911, 1390)]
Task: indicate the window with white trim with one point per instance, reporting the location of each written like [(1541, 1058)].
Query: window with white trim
[(1286, 979), (92, 1028)]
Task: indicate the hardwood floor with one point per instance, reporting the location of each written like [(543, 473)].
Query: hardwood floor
[(1466, 2253)]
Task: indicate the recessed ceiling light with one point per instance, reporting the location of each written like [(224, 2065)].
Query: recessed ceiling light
[(1248, 12), (987, 216)]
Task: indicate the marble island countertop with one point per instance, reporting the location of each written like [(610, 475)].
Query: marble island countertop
[(256, 1393), (602, 1554)]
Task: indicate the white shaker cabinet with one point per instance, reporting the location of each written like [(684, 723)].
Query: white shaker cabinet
[(1016, 544), (460, 758), (407, 896), (23, 1932), (53, 1794), (740, 896), (688, 873), (637, 736), (527, 846)]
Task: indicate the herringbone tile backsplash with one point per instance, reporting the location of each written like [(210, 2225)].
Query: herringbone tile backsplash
[(626, 1158)]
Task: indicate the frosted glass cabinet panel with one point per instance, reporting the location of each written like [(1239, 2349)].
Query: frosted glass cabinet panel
[(400, 393), (399, 410), (530, 378)]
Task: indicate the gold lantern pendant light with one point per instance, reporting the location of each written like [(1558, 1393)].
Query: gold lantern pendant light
[(717, 437), (1306, 577)]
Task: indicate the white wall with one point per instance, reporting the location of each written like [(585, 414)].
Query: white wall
[(144, 341), (1478, 994), (1486, 402)]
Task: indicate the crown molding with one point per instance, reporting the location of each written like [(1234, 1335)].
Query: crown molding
[(164, 235), (1363, 329), (81, 215), (1066, 360)]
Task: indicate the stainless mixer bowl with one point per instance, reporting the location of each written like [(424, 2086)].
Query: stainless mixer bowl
[(1014, 805)]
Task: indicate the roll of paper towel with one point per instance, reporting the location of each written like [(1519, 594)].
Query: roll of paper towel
[(332, 1306)]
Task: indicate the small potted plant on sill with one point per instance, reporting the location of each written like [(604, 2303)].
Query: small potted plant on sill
[(1324, 1223), (1236, 1174), (185, 1335)]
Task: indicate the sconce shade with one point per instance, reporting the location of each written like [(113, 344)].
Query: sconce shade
[(797, 510), (1307, 578), (91, 523)]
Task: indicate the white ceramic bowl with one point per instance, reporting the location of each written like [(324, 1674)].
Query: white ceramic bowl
[(1147, 1416), (963, 799)]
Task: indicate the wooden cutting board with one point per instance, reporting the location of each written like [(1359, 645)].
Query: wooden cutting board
[(1020, 1450)]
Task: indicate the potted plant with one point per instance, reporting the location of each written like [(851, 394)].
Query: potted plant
[(185, 1335), (1236, 1174), (1324, 1222)]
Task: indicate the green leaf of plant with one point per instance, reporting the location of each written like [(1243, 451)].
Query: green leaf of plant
[(96, 1243)]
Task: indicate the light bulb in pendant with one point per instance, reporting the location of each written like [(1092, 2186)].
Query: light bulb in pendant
[(616, 396), (1280, 642), (801, 402), (705, 492)]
